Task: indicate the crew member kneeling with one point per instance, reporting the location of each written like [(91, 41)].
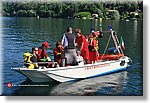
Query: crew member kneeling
[(58, 53), (31, 59), (42, 52)]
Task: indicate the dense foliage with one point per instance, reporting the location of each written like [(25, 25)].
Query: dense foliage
[(73, 9), (83, 14)]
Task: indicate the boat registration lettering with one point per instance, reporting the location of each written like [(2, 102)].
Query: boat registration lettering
[(98, 66)]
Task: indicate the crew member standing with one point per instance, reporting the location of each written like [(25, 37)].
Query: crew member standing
[(93, 48), (82, 45), (58, 53), (70, 54)]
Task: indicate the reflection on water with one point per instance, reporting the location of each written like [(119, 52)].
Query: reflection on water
[(21, 34), (105, 85)]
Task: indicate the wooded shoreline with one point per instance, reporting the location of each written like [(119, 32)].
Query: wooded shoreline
[(85, 10)]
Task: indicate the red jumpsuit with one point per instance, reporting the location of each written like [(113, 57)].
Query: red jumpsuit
[(94, 52), (58, 55), (81, 40), (42, 53)]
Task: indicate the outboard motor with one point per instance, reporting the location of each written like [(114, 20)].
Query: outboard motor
[(112, 50)]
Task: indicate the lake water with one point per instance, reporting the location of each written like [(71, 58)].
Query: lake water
[(21, 34)]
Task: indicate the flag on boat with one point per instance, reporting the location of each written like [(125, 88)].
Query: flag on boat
[(122, 43)]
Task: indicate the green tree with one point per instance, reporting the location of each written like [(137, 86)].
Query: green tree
[(116, 15), (21, 13), (31, 13), (83, 14), (70, 9)]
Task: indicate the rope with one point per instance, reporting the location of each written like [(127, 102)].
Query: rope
[(106, 46)]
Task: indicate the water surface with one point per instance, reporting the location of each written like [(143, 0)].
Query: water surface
[(21, 34)]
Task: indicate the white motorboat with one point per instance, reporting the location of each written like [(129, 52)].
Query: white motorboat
[(107, 64), (70, 73)]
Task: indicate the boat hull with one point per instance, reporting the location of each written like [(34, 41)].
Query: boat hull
[(34, 75), (65, 74)]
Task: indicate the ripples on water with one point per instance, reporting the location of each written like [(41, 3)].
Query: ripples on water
[(21, 34), (106, 85)]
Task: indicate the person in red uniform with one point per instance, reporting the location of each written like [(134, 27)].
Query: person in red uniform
[(42, 52), (93, 48), (82, 45), (96, 33), (58, 52)]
